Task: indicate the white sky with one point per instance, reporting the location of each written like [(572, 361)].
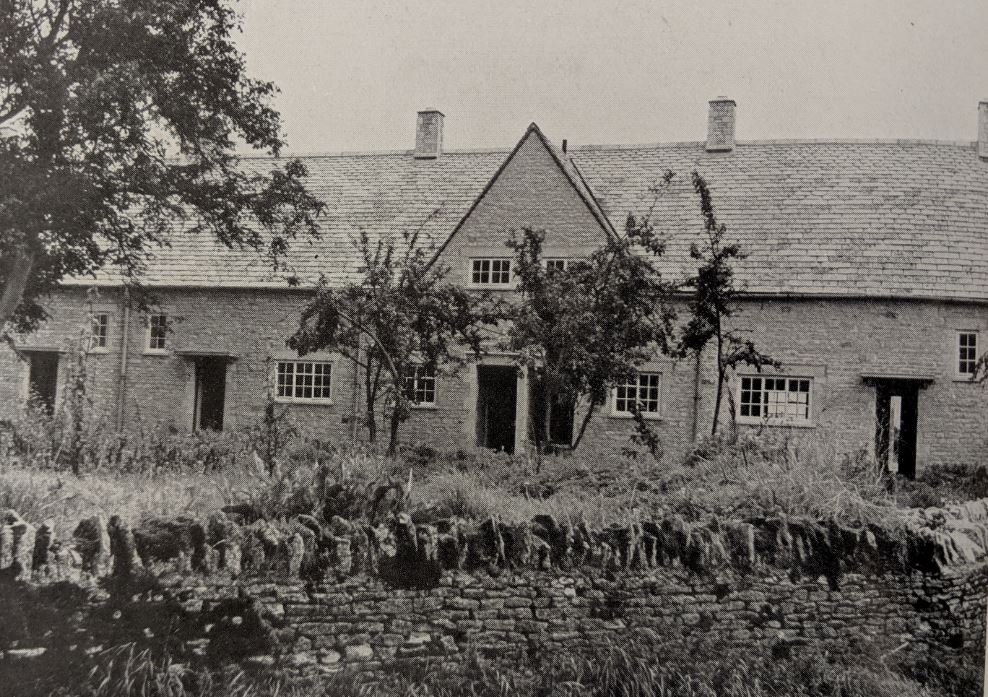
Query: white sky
[(353, 73)]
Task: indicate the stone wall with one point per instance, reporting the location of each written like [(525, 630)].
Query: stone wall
[(325, 595)]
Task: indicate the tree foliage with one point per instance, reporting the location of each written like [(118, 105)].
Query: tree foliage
[(401, 313), (581, 330), (714, 301), (119, 118)]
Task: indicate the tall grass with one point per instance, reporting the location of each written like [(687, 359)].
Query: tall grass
[(646, 663)]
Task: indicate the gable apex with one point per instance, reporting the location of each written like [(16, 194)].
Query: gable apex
[(564, 165)]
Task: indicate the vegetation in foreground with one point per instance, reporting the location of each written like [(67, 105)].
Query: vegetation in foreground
[(149, 472), (157, 472), (648, 664)]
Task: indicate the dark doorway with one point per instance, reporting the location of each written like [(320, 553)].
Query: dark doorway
[(560, 419), (210, 393), (896, 425), (497, 393), (43, 379)]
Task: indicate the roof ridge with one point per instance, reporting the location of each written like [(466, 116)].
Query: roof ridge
[(590, 147), (368, 153)]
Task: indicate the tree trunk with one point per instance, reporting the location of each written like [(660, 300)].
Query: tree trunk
[(14, 286), (583, 425), (395, 425), (717, 400), (370, 397)]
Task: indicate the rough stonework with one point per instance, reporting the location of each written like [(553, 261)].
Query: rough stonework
[(313, 594)]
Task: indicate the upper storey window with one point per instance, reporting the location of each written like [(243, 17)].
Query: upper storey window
[(157, 333), (552, 265), (490, 272), (100, 331), (967, 353)]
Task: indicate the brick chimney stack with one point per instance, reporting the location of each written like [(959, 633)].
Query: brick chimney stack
[(720, 125), (983, 129), (429, 135)]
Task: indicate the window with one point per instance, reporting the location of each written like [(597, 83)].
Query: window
[(305, 381), (775, 398), (556, 265), (420, 385), (99, 331), (967, 353), (641, 390), (490, 272), (157, 332)]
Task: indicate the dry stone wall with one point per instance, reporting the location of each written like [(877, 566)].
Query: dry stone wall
[(330, 595)]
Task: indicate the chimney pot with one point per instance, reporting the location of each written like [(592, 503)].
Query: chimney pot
[(720, 125), (429, 134), (983, 129)]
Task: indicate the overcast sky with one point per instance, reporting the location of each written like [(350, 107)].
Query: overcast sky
[(353, 73)]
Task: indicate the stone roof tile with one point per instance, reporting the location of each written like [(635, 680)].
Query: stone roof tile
[(836, 218)]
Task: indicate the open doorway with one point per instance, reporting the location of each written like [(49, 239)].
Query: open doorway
[(560, 417), (43, 379), (497, 395), (210, 397), (896, 425)]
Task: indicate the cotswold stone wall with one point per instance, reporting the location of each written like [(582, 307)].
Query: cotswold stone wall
[(329, 594), (365, 623)]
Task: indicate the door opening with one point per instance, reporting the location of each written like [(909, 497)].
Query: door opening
[(497, 393), (210, 394), (560, 417), (43, 379), (896, 425)]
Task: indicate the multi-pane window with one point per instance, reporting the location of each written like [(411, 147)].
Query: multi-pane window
[(641, 390), (556, 264), (157, 332), (490, 272), (100, 330), (774, 398), (967, 353), (420, 384), (305, 380)]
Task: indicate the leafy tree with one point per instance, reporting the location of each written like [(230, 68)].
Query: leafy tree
[(714, 301), (581, 330), (401, 313), (117, 119)]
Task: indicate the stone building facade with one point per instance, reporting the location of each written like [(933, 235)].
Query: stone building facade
[(866, 275)]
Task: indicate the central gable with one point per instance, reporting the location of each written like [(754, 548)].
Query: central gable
[(536, 188)]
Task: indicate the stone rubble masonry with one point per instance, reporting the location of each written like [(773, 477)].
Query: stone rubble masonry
[(542, 587)]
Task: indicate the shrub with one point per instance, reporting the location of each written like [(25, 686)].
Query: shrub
[(938, 485)]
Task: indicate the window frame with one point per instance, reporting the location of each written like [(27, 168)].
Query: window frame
[(651, 415), (511, 282), (149, 334), (415, 378), (956, 358), (765, 420), (320, 401), (565, 261), (103, 347)]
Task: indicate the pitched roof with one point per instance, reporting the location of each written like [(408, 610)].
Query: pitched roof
[(384, 193), (841, 218), (861, 218)]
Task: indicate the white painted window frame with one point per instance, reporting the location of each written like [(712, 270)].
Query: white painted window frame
[(566, 262), (415, 380), (93, 347), (319, 401), (151, 350), (512, 281), (956, 353), (650, 415), (765, 420)]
